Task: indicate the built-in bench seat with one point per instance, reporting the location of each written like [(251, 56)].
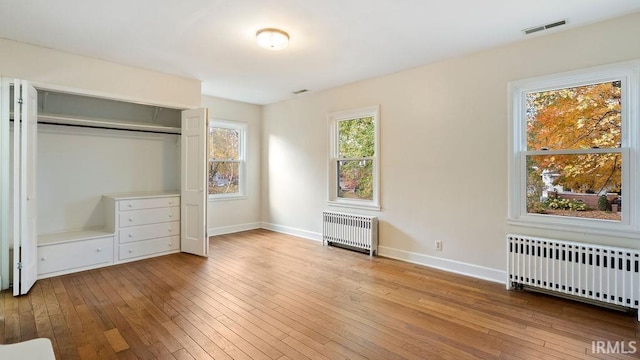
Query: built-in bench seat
[(72, 235), (70, 251)]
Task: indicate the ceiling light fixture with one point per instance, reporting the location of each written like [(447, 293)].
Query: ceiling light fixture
[(272, 39)]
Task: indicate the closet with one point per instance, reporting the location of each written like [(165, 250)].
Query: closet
[(95, 181)]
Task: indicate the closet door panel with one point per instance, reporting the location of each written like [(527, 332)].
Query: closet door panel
[(194, 180), (25, 210), (5, 182)]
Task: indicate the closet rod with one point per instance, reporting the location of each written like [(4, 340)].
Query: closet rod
[(106, 124), (110, 128)]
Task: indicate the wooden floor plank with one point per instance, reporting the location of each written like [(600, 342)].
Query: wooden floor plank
[(264, 295), (118, 343)]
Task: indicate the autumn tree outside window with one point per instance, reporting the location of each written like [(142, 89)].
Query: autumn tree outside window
[(226, 165), (353, 166), (573, 150)]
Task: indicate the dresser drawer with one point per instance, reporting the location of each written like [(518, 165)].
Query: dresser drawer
[(148, 216), (75, 254), (144, 232), (148, 247), (150, 203)]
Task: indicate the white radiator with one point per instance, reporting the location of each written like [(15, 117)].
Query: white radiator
[(350, 230), (599, 273)]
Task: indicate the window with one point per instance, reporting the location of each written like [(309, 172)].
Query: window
[(573, 138), (226, 159), (353, 165)]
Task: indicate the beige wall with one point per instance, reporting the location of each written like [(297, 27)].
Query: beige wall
[(443, 148), (97, 77), (225, 216)]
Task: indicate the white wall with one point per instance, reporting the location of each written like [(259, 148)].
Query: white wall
[(443, 148), (96, 77), (77, 165), (226, 216)]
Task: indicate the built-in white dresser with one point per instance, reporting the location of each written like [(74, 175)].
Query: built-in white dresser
[(144, 224)]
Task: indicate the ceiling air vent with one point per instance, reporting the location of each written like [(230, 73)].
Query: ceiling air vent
[(544, 27), (300, 91)]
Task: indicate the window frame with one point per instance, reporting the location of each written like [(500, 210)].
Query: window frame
[(333, 181), (628, 73), (242, 128)]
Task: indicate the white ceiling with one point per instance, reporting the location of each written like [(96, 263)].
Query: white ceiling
[(333, 42)]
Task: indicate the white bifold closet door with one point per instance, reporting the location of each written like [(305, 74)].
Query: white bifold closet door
[(194, 190), (23, 179)]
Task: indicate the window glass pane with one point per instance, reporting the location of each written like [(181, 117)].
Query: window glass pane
[(224, 144), (579, 117), (355, 179), (223, 177), (580, 185), (356, 138)]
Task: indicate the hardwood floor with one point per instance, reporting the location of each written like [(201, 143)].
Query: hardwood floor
[(264, 295)]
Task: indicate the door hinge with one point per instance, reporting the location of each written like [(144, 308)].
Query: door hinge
[(20, 266), (20, 101)]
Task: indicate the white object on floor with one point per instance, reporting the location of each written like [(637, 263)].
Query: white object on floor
[(36, 349)]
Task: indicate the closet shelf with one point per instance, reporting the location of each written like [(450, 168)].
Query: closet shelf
[(106, 124)]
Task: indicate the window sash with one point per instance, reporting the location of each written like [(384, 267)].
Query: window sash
[(354, 158), (334, 158), (226, 161), (629, 75), (575, 152), (241, 128), (238, 147), (355, 190)]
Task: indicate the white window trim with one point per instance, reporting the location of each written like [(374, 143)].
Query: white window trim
[(332, 181), (242, 127), (629, 72)]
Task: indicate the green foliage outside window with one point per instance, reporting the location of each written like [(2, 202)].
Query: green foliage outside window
[(356, 148), (224, 156)]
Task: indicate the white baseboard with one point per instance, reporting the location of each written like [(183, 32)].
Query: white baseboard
[(232, 229), (293, 231), (453, 266)]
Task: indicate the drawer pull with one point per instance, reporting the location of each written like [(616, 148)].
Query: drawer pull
[(130, 205), (170, 202), (170, 229), (130, 219), (43, 258), (130, 251), (170, 214), (98, 250), (170, 244), (130, 235)]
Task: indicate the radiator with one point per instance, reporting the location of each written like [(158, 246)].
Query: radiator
[(598, 273), (359, 232)]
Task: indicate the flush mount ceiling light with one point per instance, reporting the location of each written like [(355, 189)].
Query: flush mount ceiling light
[(272, 39)]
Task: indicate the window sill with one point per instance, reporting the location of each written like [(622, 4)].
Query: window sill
[(354, 205), (601, 228), (213, 198)]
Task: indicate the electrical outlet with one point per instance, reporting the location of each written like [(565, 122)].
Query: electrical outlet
[(438, 245)]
